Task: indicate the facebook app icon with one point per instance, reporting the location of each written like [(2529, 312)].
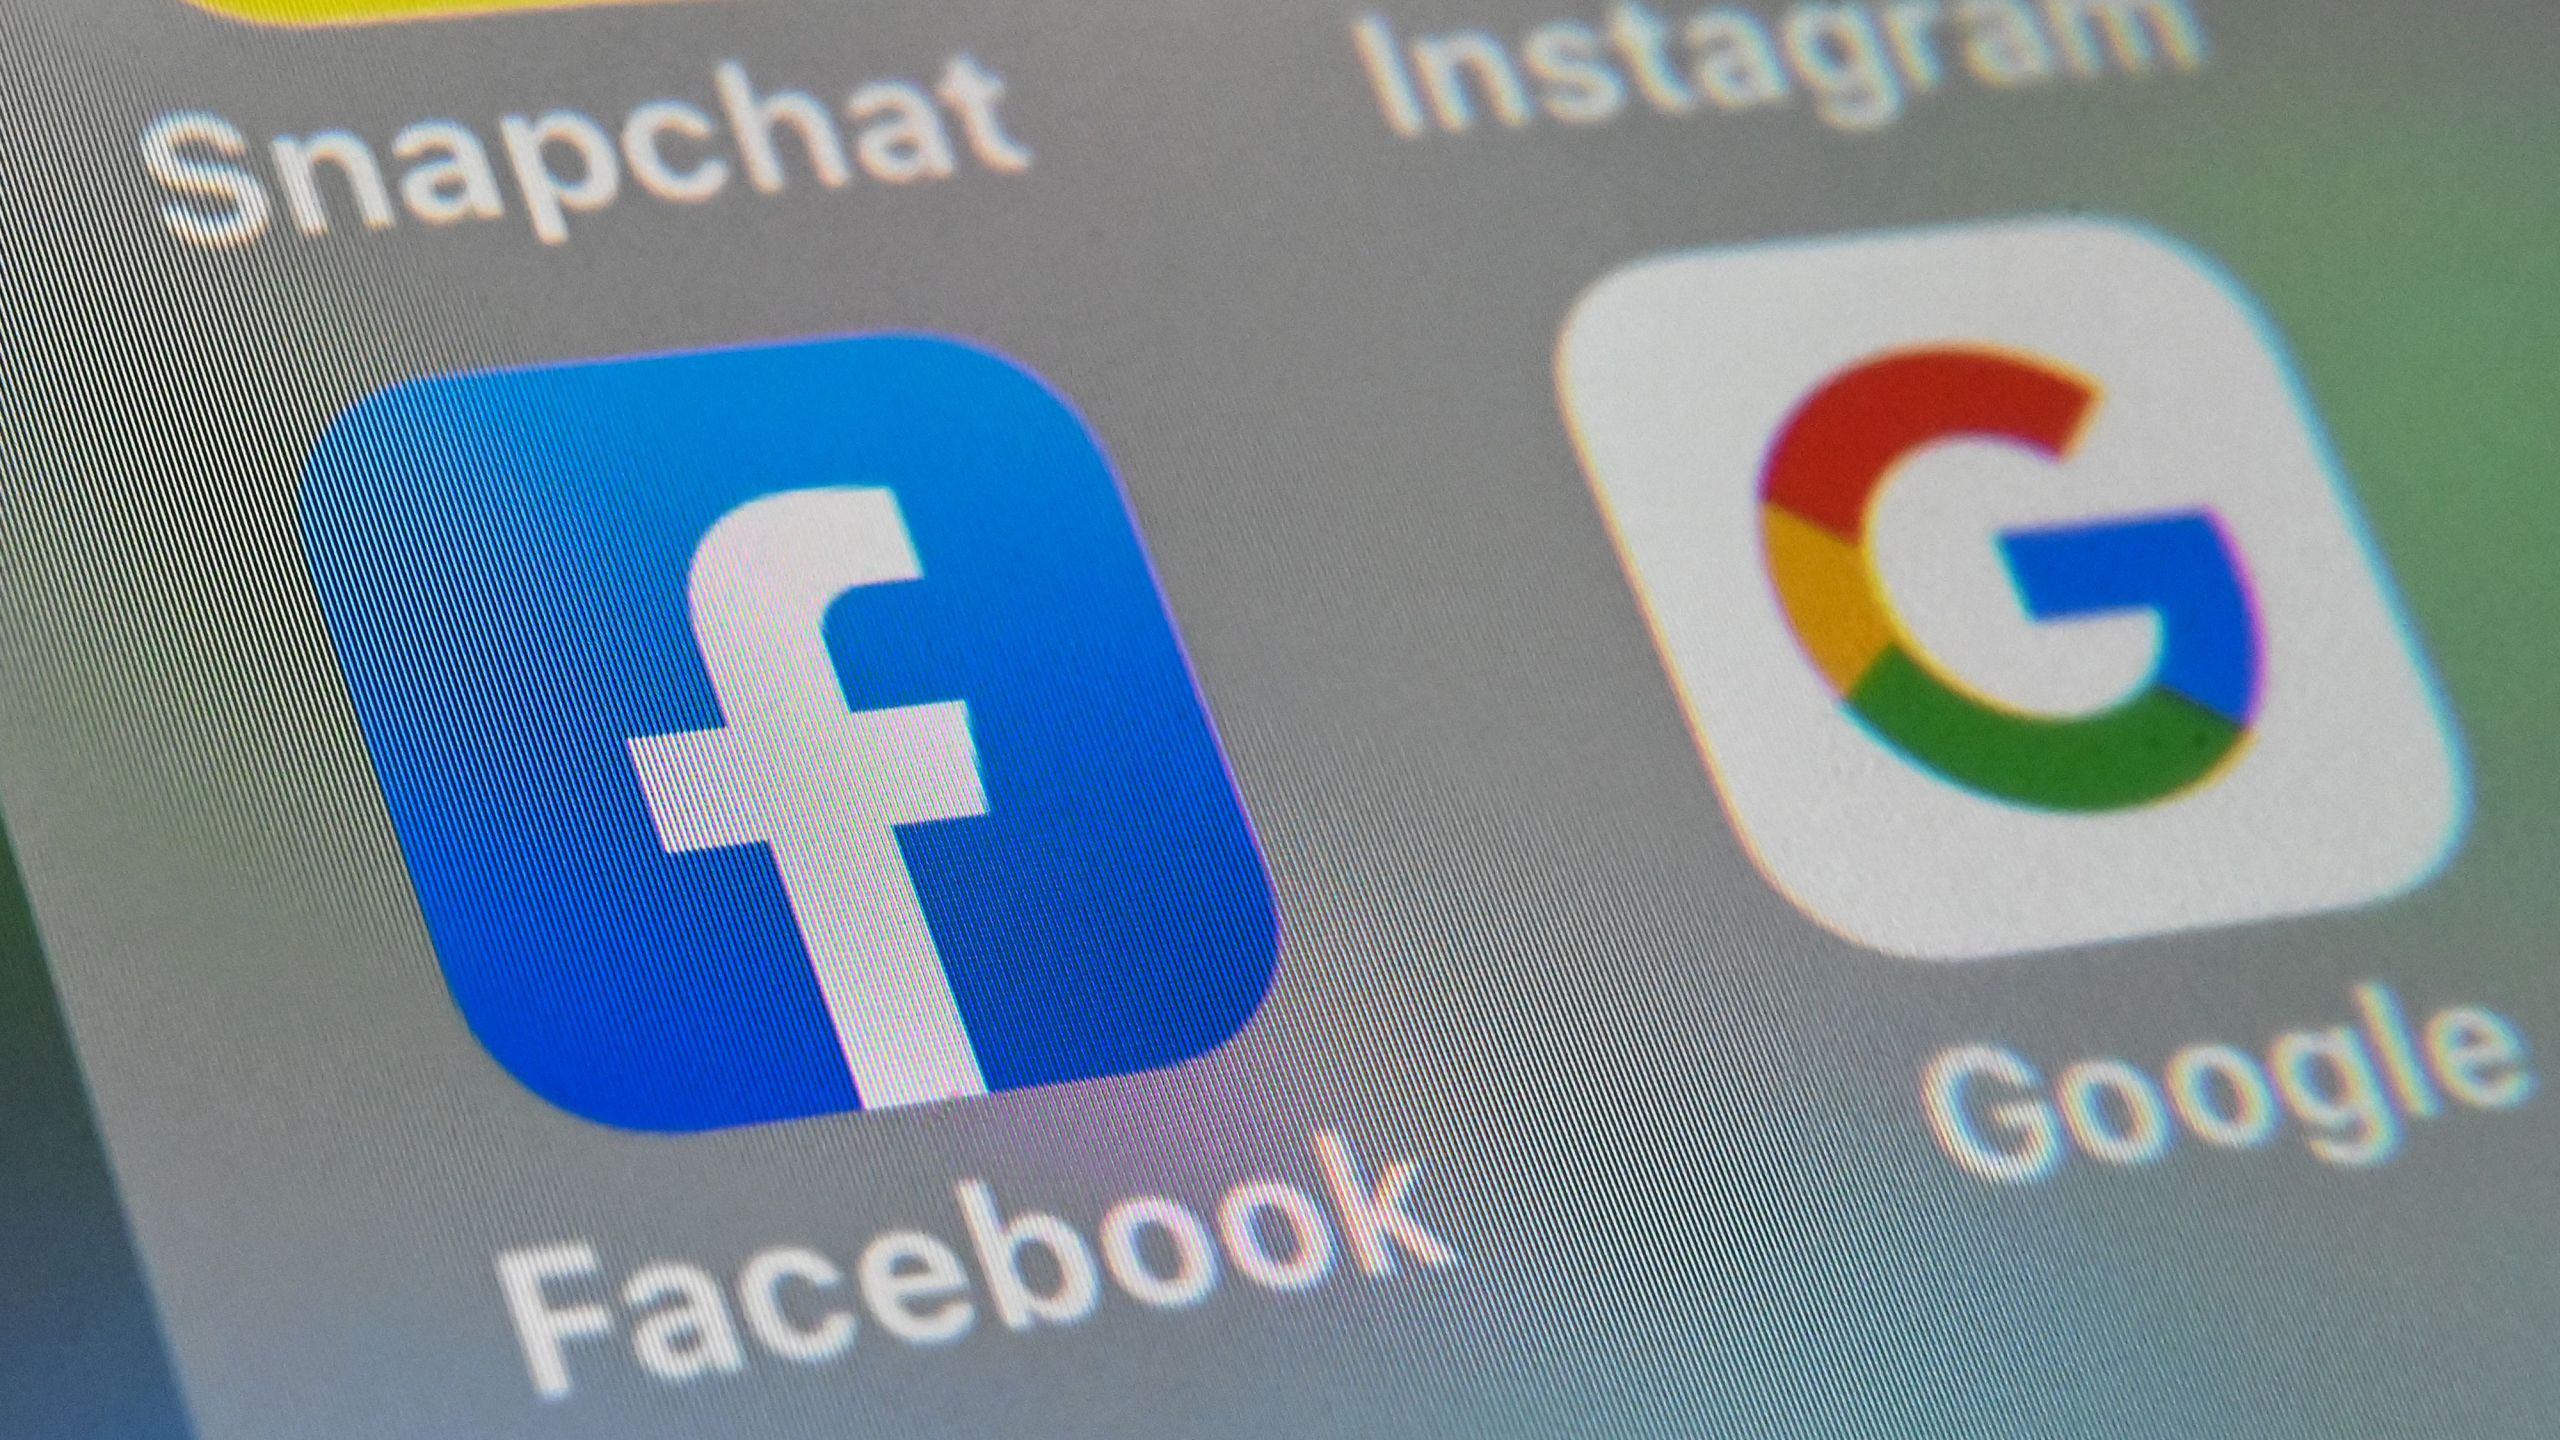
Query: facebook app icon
[(784, 731)]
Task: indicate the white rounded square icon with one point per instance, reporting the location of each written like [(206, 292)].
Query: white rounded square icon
[(2010, 589)]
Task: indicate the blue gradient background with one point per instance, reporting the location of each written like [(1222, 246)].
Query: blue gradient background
[(502, 559)]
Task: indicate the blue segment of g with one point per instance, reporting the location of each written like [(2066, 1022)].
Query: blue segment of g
[(2178, 567)]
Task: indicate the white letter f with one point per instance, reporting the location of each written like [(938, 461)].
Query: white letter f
[(822, 785)]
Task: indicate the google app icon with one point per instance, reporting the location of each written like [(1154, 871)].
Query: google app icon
[(2013, 598)]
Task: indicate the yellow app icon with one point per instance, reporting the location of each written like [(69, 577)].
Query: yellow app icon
[(370, 12)]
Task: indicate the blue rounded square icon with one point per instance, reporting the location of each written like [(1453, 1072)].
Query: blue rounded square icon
[(783, 731)]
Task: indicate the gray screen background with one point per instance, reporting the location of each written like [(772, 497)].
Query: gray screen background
[(1671, 1125)]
